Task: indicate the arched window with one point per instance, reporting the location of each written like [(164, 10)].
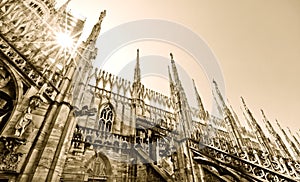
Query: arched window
[(106, 118)]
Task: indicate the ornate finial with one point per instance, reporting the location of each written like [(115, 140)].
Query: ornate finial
[(102, 15)]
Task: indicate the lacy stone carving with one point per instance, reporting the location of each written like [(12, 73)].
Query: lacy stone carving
[(9, 158)]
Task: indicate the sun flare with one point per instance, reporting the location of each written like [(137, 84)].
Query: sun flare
[(64, 40)]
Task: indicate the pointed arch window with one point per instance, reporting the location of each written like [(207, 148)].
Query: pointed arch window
[(106, 118)]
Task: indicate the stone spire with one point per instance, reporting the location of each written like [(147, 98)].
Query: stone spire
[(280, 144), (229, 119), (217, 104), (184, 118), (97, 27), (137, 70), (179, 91), (200, 104), (268, 124), (219, 94), (292, 145), (138, 88), (175, 72), (295, 139), (247, 120), (262, 139)]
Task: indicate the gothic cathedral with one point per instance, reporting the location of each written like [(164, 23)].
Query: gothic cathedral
[(63, 120)]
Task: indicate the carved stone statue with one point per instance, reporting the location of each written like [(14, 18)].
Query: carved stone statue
[(26, 118)]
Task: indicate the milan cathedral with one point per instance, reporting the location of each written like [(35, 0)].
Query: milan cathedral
[(63, 120)]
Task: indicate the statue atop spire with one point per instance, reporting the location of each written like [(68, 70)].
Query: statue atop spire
[(200, 104), (219, 94), (175, 72), (97, 27)]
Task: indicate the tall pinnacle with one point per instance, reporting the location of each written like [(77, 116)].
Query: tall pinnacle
[(262, 139), (247, 120), (252, 119), (268, 124), (294, 137), (200, 104), (229, 119), (137, 70), (97, 27), (292, 145), (175, 72), (217, 104), (278, 141), (219, 94), (280, 127)]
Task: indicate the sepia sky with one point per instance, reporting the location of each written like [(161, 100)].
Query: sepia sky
[(256, 43)]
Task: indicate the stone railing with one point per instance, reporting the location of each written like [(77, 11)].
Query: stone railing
[(257, 165)]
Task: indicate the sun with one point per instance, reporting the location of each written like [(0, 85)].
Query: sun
[(64, 40)]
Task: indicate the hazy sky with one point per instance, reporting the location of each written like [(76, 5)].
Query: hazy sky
[(257, 44)]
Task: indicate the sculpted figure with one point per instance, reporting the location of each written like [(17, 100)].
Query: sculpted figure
[(26, 118)]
